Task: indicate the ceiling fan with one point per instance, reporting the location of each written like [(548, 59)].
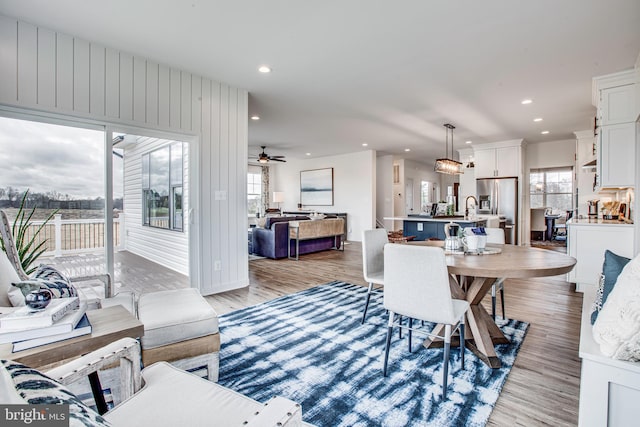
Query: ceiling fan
[(265, 158)]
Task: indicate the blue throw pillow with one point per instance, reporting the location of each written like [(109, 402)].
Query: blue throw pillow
[(613, 265)]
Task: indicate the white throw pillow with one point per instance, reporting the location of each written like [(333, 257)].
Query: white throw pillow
[(617, 328), (8, 276)]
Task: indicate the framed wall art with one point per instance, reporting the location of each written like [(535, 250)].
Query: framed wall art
[(316, 187)]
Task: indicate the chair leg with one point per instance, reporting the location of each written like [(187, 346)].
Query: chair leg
[(410, 325), (366, 305), (388, 344), (493, 302), (504, 316), (445, 368), (462, 342), (399, 326)]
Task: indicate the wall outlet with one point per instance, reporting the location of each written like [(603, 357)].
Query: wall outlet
[(420, 226), (217, 265)]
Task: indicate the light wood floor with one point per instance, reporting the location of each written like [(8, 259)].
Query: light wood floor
[(543, 386)]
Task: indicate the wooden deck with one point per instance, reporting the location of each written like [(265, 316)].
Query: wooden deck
[(132, 272)]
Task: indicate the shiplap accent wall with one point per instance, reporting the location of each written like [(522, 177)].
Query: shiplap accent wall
[(51, 72), (169, 248)]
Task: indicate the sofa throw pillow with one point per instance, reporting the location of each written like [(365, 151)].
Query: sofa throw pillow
[(36, 388), (58, 288), (48, 272), (611, 268), (617, 327), (8, 276)]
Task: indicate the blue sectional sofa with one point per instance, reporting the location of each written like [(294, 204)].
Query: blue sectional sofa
[(271, 241)]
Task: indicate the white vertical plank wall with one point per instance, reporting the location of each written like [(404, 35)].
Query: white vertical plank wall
[(65, 75)]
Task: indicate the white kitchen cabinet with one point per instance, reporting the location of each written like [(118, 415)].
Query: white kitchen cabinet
[(617, 155), (617, 105), (497, 162), (616, 98), (587, 242)]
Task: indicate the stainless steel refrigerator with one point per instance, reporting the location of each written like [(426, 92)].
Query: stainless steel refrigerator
[(499, 196)]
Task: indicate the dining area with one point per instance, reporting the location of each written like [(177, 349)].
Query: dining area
[(424, 281)]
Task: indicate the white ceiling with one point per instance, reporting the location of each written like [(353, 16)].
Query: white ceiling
[(386, 73)]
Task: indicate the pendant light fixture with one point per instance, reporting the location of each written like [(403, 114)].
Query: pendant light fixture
[(447, 165)]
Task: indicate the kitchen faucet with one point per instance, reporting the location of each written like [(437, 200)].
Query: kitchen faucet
[(466, 205)]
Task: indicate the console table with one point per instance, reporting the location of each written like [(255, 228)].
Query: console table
[(342, 215), (308, 230)]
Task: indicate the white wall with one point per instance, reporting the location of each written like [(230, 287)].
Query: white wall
[(45, 71), (354, 187), (419, 172), (550, 154), (169, 248), (384, 190)]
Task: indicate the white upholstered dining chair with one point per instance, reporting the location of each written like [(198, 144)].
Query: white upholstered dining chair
[(496, 236), (417, 286), (538, 221), (373, 242)]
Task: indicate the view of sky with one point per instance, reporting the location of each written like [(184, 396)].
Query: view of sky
[(45, 157)]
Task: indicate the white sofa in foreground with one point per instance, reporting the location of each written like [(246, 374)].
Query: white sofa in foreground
[(170, 397)]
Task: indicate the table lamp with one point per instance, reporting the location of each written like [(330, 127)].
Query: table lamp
[(278, 197)]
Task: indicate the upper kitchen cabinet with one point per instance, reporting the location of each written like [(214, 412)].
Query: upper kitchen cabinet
[(617, 105), (615, 97), (617, 155), (499, 159)]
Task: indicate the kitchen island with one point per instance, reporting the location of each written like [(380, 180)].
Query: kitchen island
[(425, 227)]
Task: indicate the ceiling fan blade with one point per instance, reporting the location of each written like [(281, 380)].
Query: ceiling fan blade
[(277, 160), (277, 157)]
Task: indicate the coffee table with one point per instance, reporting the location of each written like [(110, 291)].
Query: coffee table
[(107, 325)]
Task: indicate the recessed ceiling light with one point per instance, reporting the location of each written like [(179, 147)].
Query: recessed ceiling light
[(544, 132), (255, 117), (407, 149), (537, 119), (467, 142), (264, 69), (364, 144), (526, 101), (308, 154)]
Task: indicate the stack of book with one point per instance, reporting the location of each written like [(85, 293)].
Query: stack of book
[(62, 319)]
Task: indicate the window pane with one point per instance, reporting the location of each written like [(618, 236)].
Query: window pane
[(176, 163), (559, 202), (145, 171), (536, 201), (177, 208), (159, 186), (254, 193), (425, 196), (253, 205)]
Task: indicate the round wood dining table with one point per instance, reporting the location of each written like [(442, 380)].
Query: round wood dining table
[(472, 277)]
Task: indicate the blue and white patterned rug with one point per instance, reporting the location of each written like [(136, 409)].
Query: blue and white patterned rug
[(311, 348)]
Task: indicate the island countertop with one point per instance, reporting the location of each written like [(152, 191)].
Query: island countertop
[(599, 221), (434, 219)]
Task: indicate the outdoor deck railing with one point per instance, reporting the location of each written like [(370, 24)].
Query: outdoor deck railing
[(67, 236)]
